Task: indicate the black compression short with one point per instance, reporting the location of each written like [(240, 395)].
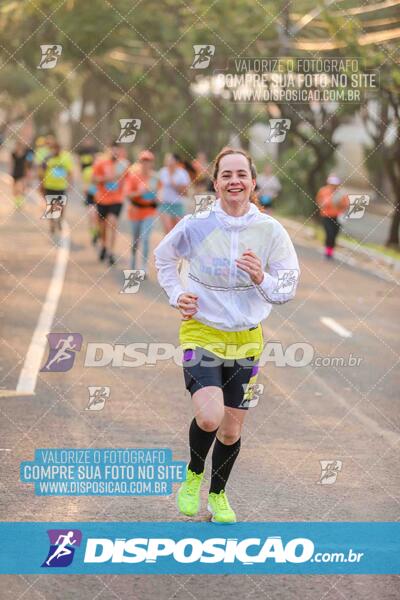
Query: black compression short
[(236, 378), (109, 209)]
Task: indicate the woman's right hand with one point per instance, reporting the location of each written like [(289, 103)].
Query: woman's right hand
[(187, 305)]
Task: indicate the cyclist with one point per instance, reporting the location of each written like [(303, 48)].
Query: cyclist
[(237, 257)]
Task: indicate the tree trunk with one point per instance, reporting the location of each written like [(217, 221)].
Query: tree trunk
[(393, 239)]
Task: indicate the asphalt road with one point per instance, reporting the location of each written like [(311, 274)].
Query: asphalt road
[(306, 414)]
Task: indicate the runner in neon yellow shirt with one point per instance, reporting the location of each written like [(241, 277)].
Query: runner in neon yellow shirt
[(56, 173)]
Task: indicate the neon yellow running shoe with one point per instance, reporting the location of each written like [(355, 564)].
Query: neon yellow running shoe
[(189, 494), (219, 507)]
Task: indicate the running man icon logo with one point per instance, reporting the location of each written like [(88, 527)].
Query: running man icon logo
[(202, 56), (329, 471), (54, 206), (204, 203), (50, 55), (129, 129), (97, 397), (357, 205), (63, 543), (133, 279), (287, 281), (252, 393), (278, 129), (62, 352)]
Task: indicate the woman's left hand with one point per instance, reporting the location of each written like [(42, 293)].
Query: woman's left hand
[(250, 263)]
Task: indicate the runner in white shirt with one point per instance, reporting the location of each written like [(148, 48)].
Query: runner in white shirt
[(241, 261), (174, 180), (268, 187)]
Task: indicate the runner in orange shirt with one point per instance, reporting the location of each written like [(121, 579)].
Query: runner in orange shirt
[(331, 202), (141, 191), (109, 174)]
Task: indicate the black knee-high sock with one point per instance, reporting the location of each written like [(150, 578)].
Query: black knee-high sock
[(223, 459), (200, 442)]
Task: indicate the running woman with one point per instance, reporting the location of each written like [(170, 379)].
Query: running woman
[(332, 203), (268, 188), (174, 181), (109, 175), (141, 191), (239, 259)]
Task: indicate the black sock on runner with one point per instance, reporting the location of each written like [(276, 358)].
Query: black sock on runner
[(223, 459), (200, 442)]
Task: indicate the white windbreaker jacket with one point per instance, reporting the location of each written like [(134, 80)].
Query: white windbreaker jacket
[(210, 242)]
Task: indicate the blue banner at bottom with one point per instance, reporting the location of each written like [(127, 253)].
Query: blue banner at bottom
[(199, 548)]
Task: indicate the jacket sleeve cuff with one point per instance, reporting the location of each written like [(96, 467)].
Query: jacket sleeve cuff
[(267, 285), (269, 290), (178, 290)]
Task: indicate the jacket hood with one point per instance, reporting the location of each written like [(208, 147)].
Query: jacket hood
[(237, 223)]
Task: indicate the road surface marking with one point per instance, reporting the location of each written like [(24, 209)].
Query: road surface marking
[(392, 437), (336, 327), (14, 393), (34, 356)]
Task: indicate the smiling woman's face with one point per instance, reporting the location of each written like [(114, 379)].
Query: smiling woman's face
[(234, 182)]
